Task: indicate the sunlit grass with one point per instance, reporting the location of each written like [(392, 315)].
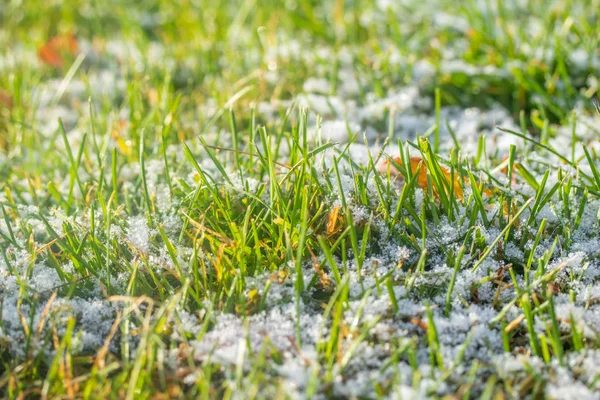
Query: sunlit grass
[(175, 223)]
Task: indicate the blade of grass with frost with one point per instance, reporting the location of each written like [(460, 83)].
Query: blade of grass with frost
[(537, 207), (74, 163), (99, 251), (404, 169), (489, 388), (334, 335), (304, 161), (64, 84), (149, 205), (114, 176), (235, 139), (423, 229), (301, 241), (489, 248), (564, 194), (577, 336), (329, 257), (433, 341), (11, 236), (354, 243), (536, 242), (359, 312), (539, 198), (511, 165), (452, 135), (545, 133), (438, 107), (411, 278), (478, 201), (455, 363), (380, 188), (544, 261), (453, 178), (407, 191), (592, 166), (424, 221), (425, 136), (551, 150), (523, 297), (444, 186), (555, 336), (170, 249), (544, 277), (67, 245), (356, 343), (472, 376), (243, 241), (197, 266), (360, 187), (204, 178), (545, 349), (275, 191), (100, 153), (398, 350), (165, 132), (528, 176), (457, 265), (582, 204), (392, 295), (56, 369), (340, 186), (281, 135), (216, 162)]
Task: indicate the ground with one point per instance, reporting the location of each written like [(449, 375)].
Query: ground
[(280, 199)]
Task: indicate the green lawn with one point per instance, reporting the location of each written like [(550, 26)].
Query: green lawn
[(213, 199)]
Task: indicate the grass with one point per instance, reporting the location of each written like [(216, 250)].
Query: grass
[(176, 224)]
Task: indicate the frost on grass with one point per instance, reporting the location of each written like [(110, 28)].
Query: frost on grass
[(138, 234), (400, 328)]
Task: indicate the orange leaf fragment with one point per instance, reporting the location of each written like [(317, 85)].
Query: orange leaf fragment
[(420, 323), (53, 51), (332, 223), (417, 164), (514, 323)]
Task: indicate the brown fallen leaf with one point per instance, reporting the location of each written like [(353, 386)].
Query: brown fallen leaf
[(53, 51), (6, 99), (417, 164)]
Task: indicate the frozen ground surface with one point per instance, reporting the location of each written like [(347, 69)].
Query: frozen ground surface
[(215, 267)]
